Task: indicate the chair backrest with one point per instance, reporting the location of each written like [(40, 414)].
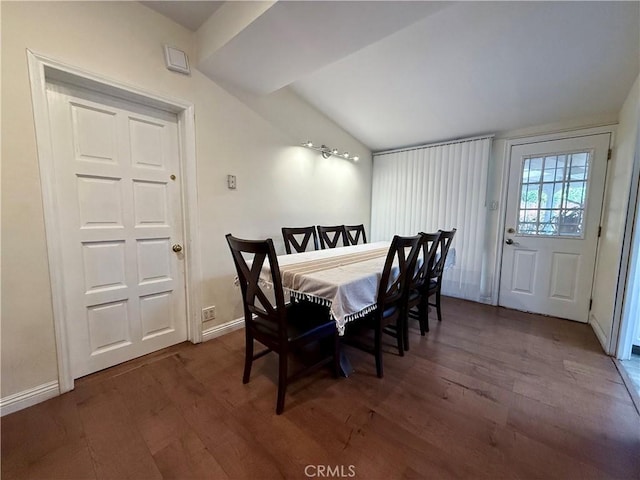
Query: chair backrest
[(291, 235), (354, 233), (401, 259), (444, 242), (332, 237), (255, 294), (428, 245)]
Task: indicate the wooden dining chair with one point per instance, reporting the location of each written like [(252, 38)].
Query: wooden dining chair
[(391, 297), (418, 298), (299, 238), (435, 277), (282, 328), (354, 233), (332, 237)]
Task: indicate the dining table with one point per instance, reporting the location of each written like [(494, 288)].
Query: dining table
[(344, 279)]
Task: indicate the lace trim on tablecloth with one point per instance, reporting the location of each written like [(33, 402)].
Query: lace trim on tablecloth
[(317, 300), (327, 303)]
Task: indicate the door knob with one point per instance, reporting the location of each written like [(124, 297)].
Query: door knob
[(177, 248), (508, 241)]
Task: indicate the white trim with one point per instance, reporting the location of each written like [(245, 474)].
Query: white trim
[(64, 73), (29, 397), (193, 265), (502, 218), (561, 134), (45, 158), (42, 69), (623, 324), (223, 329), (431, 145), (597, 329), (506, 165), (628, 383)]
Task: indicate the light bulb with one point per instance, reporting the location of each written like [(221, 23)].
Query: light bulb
[(345, 154), (309, 144), (356, 158), (334, 151)]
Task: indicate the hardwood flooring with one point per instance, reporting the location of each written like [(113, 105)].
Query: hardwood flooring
[(632, 367), (488, 393)]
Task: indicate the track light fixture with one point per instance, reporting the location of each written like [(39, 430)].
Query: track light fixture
[(327, 151)]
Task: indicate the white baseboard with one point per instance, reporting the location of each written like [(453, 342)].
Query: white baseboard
[(597, 329), (27, 398), (32, 396), (631, 388), (223, 329)]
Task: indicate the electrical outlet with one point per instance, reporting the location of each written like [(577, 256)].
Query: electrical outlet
[(231, 182), (208, 313)]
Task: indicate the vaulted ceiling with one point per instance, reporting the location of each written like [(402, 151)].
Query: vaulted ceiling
[(404, 73)]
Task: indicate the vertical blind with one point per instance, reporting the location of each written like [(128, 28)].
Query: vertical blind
[(435, 187)]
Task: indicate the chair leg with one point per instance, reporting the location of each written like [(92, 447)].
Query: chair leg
[(423, 307), (400, 335), (378, 349), (438, 305), (405, 330), (336, 355), (248, 357), (426, 315), (282, 381)]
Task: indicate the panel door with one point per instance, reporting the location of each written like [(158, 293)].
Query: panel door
[(120, 215), (554, 202)]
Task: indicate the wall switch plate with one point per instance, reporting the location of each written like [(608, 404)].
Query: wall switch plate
[(208, 313), (231, 181)]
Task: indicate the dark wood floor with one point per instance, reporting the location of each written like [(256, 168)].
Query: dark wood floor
[(489, 393)]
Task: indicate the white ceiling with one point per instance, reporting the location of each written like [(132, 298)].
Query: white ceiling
[(404, 73), (189, 14), (292, 40)]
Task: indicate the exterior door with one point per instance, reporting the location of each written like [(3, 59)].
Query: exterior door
[(554, 202), (119, 204)]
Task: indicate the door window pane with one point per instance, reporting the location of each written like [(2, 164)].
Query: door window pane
[(579, 166), (553, 193)]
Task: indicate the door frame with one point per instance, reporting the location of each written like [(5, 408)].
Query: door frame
[(42, 70), (623, 324), (512, 142)]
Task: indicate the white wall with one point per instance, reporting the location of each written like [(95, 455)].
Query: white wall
[(616, 203), (279, 183)]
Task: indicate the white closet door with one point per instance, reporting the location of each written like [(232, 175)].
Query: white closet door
[(119, 205)]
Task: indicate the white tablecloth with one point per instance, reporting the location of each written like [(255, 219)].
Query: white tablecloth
[(345, 278)]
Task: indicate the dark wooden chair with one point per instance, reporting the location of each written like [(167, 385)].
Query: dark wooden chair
[(435, 277), (391, 298), (282, 328), (299, 238), (354, 233), (332, 237), (418, 297)]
